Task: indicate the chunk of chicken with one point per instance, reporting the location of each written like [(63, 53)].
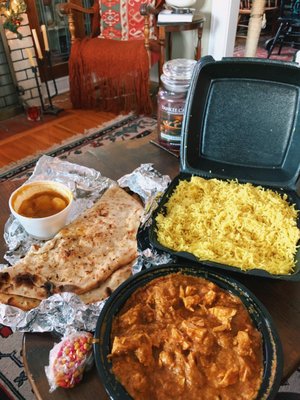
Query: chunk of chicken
[(224, 315), (189, 297), (243, 344)]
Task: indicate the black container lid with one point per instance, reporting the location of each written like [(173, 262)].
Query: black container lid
[(242, 121)]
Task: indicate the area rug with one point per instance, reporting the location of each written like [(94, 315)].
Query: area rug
[(14, 384), (287, 52), (124, 127)]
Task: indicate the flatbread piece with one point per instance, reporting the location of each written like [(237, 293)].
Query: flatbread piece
[(81, 256)]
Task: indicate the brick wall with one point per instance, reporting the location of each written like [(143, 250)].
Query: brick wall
[(8, 95), (21, 64)]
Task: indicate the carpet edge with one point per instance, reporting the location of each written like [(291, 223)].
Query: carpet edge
[(13, 168)]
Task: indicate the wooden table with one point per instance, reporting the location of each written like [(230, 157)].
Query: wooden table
[(281, 298), (165, 31)]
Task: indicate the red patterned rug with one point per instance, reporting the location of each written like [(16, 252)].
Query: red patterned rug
[(14, 383), (124, 127)]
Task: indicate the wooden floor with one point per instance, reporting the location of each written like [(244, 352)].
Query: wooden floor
[(20, 138)]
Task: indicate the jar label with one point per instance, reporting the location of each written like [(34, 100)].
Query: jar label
[(171, 123)]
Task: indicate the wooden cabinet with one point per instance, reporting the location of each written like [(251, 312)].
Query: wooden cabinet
[(46, 12)]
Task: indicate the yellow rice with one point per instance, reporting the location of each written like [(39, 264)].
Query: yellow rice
[(231, 223)]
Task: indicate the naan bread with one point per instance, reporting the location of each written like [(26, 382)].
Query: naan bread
[(24, 303), (107, 287), (94, 295), (82, 255)]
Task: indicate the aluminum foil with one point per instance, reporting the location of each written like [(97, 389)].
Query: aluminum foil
[(66, 312), (149, 184), (61, 313), (86, 184)]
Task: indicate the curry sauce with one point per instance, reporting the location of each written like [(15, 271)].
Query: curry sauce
[(43, 204), (183, 337)]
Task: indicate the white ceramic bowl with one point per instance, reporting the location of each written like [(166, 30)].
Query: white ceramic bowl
[(42, 227), (181, 3)]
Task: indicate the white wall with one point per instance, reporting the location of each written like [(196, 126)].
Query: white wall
[(224, 16), (219, 31), (184, 43)]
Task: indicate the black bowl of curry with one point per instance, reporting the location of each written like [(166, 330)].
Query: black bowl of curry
[(186, 332)]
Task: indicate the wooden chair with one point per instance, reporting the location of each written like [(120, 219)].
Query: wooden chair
[(272, 8), (105, 69)]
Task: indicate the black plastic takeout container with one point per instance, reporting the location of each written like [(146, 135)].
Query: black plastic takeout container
[(272, 351), (242, 122)]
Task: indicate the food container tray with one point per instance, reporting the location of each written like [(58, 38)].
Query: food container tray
[(292, 198), (241, 122), (272, 350)]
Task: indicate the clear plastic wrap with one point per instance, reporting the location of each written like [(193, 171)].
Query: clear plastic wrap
[(68, 360)]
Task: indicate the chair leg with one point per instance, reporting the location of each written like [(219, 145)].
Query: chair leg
[(285, 32), (272, 45), (280, 46)]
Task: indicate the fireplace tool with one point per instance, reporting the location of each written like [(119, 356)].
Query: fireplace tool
[(51, 109), (47, 109)]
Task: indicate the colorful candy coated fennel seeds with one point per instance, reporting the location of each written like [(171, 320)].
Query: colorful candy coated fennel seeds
[(71, 360)]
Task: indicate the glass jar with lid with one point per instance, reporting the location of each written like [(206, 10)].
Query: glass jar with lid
[(175, 80)]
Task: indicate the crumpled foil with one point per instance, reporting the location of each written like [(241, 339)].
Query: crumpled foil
[(149, 184), (66, 312), (61, 313), (86, 184)]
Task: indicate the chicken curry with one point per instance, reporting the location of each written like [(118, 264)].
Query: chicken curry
[(183, 337)]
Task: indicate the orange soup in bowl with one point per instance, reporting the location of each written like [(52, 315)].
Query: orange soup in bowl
[(43, 204), (41, 207)]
